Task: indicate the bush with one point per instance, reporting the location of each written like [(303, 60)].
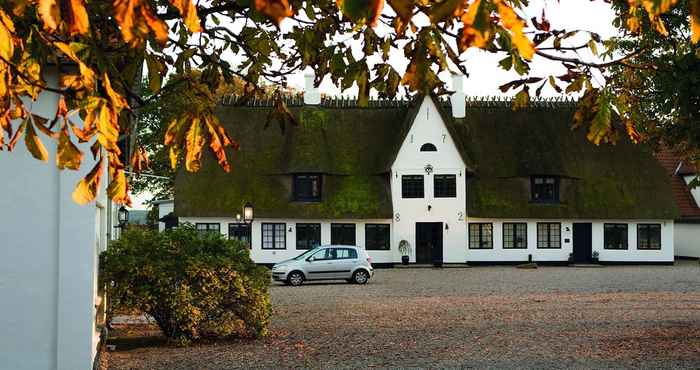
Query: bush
[(193, 285)]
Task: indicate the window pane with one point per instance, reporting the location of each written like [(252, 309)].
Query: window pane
[(307, 187), (412, 186), (545, 189), (343, 234), (480, 236), (445, 186), (377, 236), (308, 236)]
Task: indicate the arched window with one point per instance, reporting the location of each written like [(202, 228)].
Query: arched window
[(428, 147)]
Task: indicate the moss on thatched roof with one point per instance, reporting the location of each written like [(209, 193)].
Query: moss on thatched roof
[(352, 147), (355, 147)]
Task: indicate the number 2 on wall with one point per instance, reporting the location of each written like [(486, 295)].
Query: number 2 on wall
[(460, 216)]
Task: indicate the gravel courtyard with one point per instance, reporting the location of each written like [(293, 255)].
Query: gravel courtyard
[(480, 317)]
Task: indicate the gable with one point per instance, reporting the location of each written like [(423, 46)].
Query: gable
[(428, 130)]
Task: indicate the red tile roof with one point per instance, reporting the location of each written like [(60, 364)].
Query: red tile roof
[(676, 169)]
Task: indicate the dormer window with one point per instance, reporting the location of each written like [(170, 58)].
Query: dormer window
[(307, 188), (544, 189), (428, 147)]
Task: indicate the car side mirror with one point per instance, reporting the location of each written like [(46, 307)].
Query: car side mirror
[(310, 259)]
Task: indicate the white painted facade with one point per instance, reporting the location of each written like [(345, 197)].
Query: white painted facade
[(165, 207), (428, 127), (48, 260), (687, 239), (695, 192)]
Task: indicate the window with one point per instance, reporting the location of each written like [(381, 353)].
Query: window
[(239, 232), (308, 236), (274, 236), (515, 235), (649, 236), (412, 186), (615, 236), (428, 147), (343, 253), (206, 227), (445, 186), (548, 235), (343, 234), (545, 189), (377, 237), (480, 236), (307, 188)]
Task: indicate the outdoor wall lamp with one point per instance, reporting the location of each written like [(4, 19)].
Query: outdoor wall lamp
[(447, 227), (429, 207), (248, 213), (122, 217)]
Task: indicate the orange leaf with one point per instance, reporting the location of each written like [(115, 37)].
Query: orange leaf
[(67, 155), (195, 143), (34, 144), (18, 134), (276, 10), (77, 17), (694, 10), (189, 13), (139, 160), (118, 189), (361, 11), (135, 28), (216, 144), (86, 190), (50, 14)]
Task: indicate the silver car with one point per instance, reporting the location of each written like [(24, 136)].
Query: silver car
[(328, 262)]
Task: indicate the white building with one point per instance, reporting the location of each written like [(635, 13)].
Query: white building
[(687, 225), (49, 248), (467, 181)]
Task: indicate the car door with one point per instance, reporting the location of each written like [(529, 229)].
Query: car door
[(345, 262), (320, 265)]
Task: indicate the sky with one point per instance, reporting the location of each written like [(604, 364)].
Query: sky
[(485, 76)]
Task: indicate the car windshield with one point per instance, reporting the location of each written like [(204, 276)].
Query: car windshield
[(306, 254)]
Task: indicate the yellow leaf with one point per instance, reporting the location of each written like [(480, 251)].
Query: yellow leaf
[(173, 154), (118, 189), (7, 48), (694, 11), (67, 154), (276, 10), (118, 102), (86, 190), (87, 75), (189, 13), (107, 128), (195, 143), (511, 21), (34, 144), (477, 29), (50, 14)]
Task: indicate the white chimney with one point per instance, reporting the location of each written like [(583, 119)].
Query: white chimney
[(457, 99), (311, 94)]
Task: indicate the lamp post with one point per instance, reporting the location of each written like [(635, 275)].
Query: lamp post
[(122, 217), (248, 213)]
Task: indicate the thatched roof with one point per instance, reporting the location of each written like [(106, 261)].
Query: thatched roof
[(354, 148)]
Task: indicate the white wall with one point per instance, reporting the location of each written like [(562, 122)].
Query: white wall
[(428, 127), (694, 191), (163, 209), (687, 240), (260, 255), (631, 254), (48, 260)]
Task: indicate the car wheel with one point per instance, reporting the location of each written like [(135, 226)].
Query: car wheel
[(295, 278), (360, 277)]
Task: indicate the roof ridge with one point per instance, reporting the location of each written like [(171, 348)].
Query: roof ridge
[(297, 100)]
